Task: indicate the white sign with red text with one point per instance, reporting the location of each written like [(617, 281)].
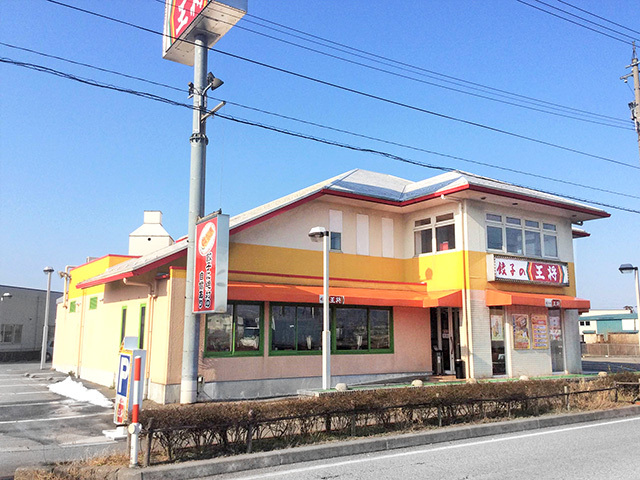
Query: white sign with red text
[(502, 268)]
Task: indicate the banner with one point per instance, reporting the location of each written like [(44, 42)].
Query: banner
[(211, 272)]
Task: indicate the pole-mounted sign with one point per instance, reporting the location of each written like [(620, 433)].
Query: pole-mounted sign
[(183, 19), (211, 272)]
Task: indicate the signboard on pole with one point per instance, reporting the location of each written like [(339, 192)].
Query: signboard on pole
[(184, 18), (211, 265), (124, 379)]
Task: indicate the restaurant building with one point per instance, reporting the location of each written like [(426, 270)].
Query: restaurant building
[(455, 274)]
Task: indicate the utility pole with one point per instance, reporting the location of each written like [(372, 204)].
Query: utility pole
[(202, 82), (635, 105)]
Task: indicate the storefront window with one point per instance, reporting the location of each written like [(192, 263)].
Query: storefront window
[(238, 331), (362, 329), (296, 328), (556, 341), (498, 356)]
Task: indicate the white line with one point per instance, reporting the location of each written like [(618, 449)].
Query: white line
[(32, 420), (68, 401), (26, 385), (429, 450)]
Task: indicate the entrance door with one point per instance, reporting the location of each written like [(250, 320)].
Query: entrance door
[(556, 341), (442, 340)]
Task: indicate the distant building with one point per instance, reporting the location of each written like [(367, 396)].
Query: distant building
[(608, 321), (21, 322), (452, 274)]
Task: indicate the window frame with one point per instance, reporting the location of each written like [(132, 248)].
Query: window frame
[(276, 353), (232, 352), (93, 303), (13, 328), (369, 350), (433, 223), (524, 225)]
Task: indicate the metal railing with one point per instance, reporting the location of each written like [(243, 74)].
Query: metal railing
[(252, 434)]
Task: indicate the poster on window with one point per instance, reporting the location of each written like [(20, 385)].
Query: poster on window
[(521, 336), (539, 331), (497, 330), (555, 330)]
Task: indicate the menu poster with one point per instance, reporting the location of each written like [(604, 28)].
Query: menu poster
[(521, 336), (497, 331), (555, 330), (539, 331)]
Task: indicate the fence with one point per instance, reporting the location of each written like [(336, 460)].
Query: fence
[(610, 349), (253, 434)]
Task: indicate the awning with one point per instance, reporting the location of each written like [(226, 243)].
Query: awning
[(497, 298), (352, 296)]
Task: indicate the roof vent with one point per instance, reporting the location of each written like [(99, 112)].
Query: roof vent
[(150, 236)]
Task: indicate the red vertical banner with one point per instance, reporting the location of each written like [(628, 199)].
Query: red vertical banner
[(211, 265)]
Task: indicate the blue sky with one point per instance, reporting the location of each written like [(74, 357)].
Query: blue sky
[(79, 165)]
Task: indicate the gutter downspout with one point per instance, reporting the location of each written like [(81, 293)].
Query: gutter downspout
[(466, 297), (151, 297), (67, 284)]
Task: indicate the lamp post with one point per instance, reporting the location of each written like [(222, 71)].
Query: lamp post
[(321, 234), (628, 268), (45, 328)]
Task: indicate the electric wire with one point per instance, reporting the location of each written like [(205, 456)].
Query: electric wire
[(150, 96), (577, 23), (585, 19), (539, 105), (411, 68), (365, 94), (598, 16), (331, 128)]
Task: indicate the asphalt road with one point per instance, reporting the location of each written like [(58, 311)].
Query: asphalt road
[(37, 426), (610, 364), (599, 450)]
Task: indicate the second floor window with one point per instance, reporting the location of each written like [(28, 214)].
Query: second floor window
[(434, 234), (521, 236)]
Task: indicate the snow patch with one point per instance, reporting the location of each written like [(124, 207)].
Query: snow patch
[(77, 391)]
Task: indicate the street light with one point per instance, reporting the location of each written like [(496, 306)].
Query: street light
[(321, 234), (5, 296), (628, 268), (45, 329)]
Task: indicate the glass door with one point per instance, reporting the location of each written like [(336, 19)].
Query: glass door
[(556, 341), (442, 336)]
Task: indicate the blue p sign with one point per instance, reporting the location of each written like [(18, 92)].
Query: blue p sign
[(123, 375)]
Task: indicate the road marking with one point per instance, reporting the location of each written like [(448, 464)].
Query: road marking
[(26, 385), (26, 405), (36, 392), (429, 450), (33, 420)]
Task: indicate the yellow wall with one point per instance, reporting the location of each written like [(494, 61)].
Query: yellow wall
[(440, 271)]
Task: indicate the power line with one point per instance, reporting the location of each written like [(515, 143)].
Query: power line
[(576, 23), (540, 105), (367, 95), (95, 83), (334, 129), (598, 16)]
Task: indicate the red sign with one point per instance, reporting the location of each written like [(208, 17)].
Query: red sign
[(181, 14), (211, 265)]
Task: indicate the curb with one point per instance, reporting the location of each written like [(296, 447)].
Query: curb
[(238, 463)]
